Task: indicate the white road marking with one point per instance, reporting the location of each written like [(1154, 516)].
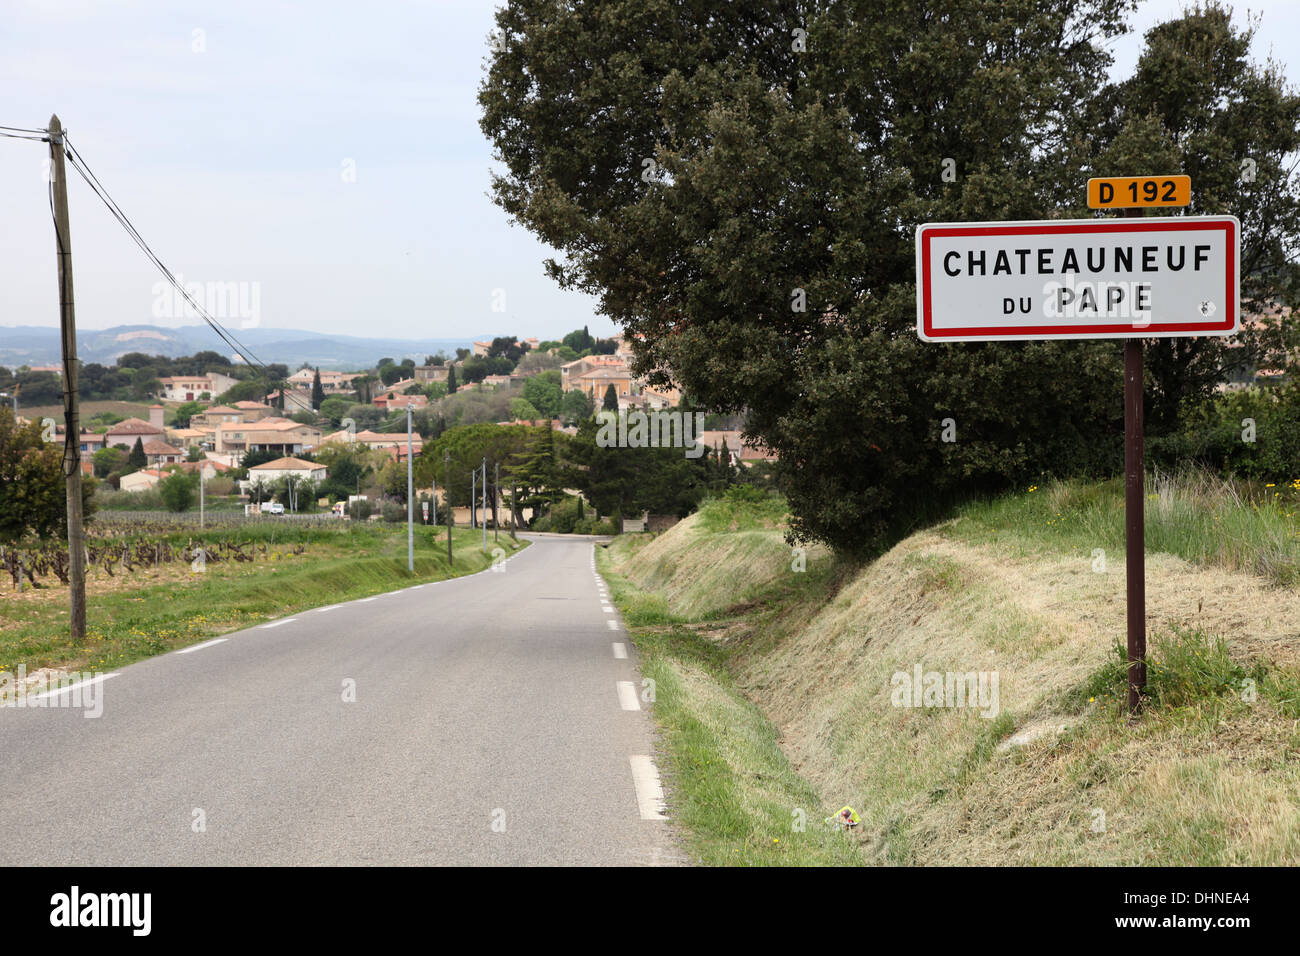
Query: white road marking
[(649, 793), (321, 610), (627, 695), (620, 650), (97, 679), (613, 625), (607, 609), (364, 600), (199, 647), (287, 620)]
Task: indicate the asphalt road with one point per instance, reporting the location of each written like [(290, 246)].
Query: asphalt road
[(488, 727)]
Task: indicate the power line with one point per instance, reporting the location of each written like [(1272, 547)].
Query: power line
[(83, 169)]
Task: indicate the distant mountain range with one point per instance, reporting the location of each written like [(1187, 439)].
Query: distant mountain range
[(38, 345)]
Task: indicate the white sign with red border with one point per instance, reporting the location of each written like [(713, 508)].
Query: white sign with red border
[(1078, 279)]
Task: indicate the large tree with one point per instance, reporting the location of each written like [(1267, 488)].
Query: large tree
[(1196, 104), (739, 185), (33, 498)]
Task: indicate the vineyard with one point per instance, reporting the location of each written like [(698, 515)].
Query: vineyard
[(127, 543), (107, 555)]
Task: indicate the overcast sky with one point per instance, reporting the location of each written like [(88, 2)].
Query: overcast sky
[(228, 135)]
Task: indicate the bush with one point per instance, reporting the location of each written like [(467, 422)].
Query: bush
[(393, 512), (361, 509), (179, 490), (1213, 435)]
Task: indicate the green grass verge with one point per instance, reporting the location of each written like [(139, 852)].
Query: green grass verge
[(171, 607), (731, 788), (1194, 515)]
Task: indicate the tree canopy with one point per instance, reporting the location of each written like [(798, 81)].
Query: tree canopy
[(740, 190)]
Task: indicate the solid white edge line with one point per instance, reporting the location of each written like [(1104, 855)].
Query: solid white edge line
[(286, 620), (649, 792), (199, 647), (97, 679), (620, 651), (627, 695)]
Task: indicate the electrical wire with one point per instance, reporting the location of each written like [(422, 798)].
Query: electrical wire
[(83, 169)]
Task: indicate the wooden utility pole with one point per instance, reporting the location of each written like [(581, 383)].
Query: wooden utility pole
[(71, 412), (496, 501)]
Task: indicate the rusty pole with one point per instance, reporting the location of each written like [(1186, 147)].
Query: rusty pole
[(1134, 518)]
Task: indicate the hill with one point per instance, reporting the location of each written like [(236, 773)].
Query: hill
[(805, 668), (38, 345)]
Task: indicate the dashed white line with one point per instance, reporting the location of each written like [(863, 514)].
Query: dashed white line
[(364, 600), (620, 650), (627, 695), (607, 609), (649, 793), (613, 625), (332, 607), (97, 679), (287, 620), (199, 647)]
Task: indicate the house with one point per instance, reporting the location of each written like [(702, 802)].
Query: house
[(160, 453), (290, 467), (207, 467), (390, 441), (125, 432), (424, 374), (596, 382), (497, 381), (741, 452), (189, 437), (218, 415), (185, 388), (481, 348), (571, 372), (252, 411), (192, 388), (391, 401), (140, 480), (268, 434), (330, 382), (91, 442)]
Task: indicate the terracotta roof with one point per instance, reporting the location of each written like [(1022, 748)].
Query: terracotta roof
[(283, 464), (160, 448), (134, 426)]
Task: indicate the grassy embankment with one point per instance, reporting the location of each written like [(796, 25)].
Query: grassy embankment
[(774, 687), (132, 615)]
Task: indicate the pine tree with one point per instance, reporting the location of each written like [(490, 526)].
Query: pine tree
[(137, 459)]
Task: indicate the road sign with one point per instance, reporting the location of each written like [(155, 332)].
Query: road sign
[(1078, 279), (1131, 192)]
